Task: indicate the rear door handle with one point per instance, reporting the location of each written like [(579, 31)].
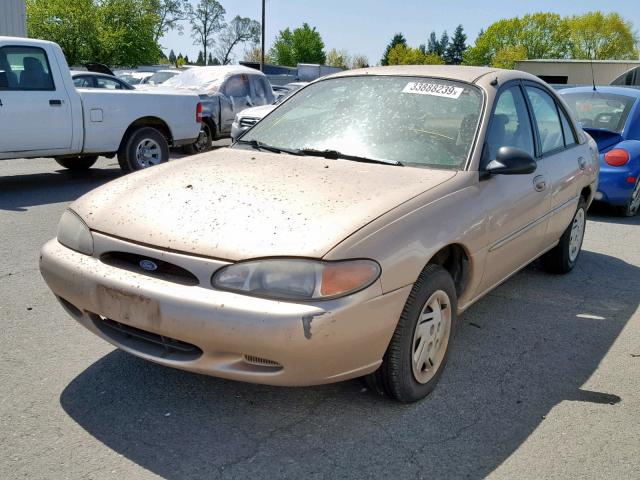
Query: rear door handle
[(539, 183), (55, 102), (582, 163)]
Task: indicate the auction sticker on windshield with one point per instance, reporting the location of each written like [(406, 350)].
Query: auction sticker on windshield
[(437, 89)]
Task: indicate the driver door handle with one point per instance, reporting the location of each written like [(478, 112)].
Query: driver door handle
[(540, 183)]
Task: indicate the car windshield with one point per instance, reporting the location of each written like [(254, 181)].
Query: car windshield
[(419, 121), (160, 77), (606, 111)]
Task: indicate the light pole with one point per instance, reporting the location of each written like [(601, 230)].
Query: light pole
[(262, 48)]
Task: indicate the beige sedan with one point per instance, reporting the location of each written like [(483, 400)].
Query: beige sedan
[(341, 237)]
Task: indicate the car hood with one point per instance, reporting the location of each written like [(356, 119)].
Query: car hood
[(257, 112), (236, 204)]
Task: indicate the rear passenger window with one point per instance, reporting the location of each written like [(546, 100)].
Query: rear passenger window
[(260, 90), (569, 136), (546, 117), (24, 68), (510, 125)]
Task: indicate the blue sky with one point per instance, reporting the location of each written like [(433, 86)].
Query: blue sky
[(366, 27)]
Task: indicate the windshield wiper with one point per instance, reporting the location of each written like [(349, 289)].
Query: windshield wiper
[(336, 155), (258, 145)]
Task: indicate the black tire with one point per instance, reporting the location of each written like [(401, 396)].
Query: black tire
[(76, 164), (559, 258), (127, 155), (204, 142), (396, 377), (632, 207)]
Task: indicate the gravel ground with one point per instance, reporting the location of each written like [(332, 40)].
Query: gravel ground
[(543, 381)]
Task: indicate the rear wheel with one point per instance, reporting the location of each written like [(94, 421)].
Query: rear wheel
[(77, 163), (633, 205), (563, 257), (144, 148), (418, 350)]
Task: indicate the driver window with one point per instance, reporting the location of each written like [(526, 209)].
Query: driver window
[(510, 125), (237, 86)]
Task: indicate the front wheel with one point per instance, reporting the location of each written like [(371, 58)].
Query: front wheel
[(418, 350), (142, 149), (203, 143), (76, 164), (563, 257)]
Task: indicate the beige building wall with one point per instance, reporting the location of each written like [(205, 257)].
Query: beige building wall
[(578, 71), (13, 19)]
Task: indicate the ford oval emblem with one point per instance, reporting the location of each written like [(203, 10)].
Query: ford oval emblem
[(148, 265)]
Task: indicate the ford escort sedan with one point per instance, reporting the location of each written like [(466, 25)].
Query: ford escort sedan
[(341, 237)]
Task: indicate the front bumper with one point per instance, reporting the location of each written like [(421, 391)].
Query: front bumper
[(236, 336)]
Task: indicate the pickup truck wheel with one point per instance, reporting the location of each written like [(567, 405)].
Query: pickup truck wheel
[(143, 148), (418, 350), (563, 257), (77, 163), (203, 144)]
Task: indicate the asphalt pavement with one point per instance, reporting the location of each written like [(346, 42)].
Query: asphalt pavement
[(543, 380)]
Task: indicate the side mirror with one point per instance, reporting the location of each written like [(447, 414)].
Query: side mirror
[(511, 161)]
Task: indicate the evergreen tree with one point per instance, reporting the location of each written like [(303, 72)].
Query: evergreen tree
[(457, 46), (186, 60), (444, 43), (215, 61), (172, 57), (398, 39), (200, 60), (210, 60), (433, 45)]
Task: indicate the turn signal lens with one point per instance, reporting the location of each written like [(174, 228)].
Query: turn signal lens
[(616, 157), (341, 278)]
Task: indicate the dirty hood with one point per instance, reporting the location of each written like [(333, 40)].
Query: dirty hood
[(235, 204)]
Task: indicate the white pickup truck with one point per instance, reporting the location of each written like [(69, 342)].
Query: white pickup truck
[(42, 114)]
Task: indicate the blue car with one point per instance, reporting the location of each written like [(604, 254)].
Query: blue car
[(611, 115)]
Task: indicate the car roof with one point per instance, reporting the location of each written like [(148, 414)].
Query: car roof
[(617, 90), (450, 72), (75, 73)]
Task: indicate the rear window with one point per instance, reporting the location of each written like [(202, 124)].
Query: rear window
[(606, 111)]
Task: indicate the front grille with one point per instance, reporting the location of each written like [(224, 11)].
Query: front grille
[(146, 342), (262, 362), (165, 270), (248, 121)]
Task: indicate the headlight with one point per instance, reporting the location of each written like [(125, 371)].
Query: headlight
[(73, 233), (297, 279)]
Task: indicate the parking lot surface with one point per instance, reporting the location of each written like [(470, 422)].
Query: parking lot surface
[(543, 380)]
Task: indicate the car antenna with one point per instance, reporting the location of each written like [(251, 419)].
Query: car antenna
[(593, 77)]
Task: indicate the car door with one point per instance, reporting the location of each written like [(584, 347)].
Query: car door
[(31, 99), (517, 205), (236, 96), (564, 157)]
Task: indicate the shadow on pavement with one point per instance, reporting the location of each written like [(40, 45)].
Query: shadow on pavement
[(18, 192), (526, 347), (600, 212)]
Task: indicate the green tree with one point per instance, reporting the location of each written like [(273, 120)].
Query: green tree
[(455, 50), (597, 36), (303, 45), (180, 60), (433, 45), (172, 57), (186, 60), (543, 35), (238, 31), (507, 56), (213, 60), (403, 55), (398, 39), (170, 13), (206, 19), (337, 58), (70, 24), (200, 60), (125, 32)]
